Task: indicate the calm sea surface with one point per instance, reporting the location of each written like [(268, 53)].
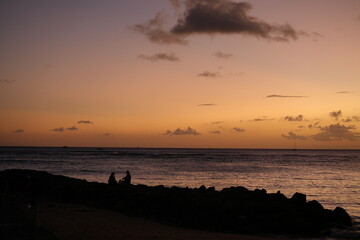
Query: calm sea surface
[(330, 176)]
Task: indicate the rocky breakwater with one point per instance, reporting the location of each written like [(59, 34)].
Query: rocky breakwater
[(234, 209)]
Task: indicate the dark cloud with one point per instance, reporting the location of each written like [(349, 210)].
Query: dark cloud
[(206, 105), (293, 136), (342, 92), (6, 81), (315, 125), (238, 130), (215, 132), (179, 131), (337, 132), (335, 114), (284, 96), (215, 17), (223, 55), (171, 57), (59, 129), (298, 118), (218, 122), (228, 17), (85, 122), (73, 128), (301, 126), (209, 74), (19, 131), (106, 134), (154, 31)]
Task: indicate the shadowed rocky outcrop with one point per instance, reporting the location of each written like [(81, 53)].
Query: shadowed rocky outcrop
[(234, 209)]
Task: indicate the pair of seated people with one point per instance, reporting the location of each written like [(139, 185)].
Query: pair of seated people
[(125, 180)]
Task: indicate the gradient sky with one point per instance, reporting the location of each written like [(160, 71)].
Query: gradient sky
[(160, 73)]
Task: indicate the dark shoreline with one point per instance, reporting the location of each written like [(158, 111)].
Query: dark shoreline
[(232, 210)]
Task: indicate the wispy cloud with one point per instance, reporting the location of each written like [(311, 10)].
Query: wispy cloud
[(238, 130), (335, 114), (259, 119), (59, 129), (170, 57), (236, 74), (262, 119), (315, 125), (337, 132), (179, 131), (206, 105), (175, 3), (347, 120), (7, 81), (317, 35), (209, 74), (218, 122), (351, 119), (314, 35), (298, 118), (293, 136), (356, 118), (85, 122), (284, 96), (19, 131), (343, 92), (215, 132), (73, 128), (223, 55), (155, 32)]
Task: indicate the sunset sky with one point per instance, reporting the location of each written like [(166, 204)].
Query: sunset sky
[(160, 73)]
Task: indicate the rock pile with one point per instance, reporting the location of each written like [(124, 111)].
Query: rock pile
[(234, 209)]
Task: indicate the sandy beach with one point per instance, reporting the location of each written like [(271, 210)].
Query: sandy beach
[(77, 222)]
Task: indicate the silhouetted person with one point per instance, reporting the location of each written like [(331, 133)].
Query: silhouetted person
[(127, 179), (112, 180)]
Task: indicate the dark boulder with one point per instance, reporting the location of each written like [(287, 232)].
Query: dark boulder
[(298, 198), (314, 208), (342, 216)]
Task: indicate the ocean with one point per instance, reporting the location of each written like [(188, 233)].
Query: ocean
[(331, 177)]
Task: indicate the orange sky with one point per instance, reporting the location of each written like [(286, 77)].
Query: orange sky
[(280, 72)]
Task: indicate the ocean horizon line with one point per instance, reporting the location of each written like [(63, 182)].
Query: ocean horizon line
[(191, 148)]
